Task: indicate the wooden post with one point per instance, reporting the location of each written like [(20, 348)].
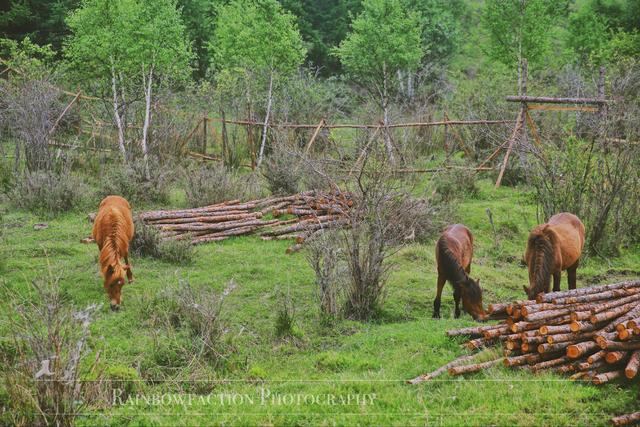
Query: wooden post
[(519, 131), (55, 124), (205, 119), (602, 108), (224, 138), (445, 133), (313, 137)]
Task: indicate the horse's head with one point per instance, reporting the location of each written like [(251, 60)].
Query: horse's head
[(472, 298), (113, 283)]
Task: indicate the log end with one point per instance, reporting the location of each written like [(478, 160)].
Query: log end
[(574, 351), (630, 373)]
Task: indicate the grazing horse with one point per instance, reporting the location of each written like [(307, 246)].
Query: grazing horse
[(112, 231), (553, 247), (454, 251)]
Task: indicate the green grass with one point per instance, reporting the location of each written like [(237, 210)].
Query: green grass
[(342, 358)]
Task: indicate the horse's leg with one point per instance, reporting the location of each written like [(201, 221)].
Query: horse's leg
[(436, 302), (129, 271), (571, 272), (456, 297), (556, 281)]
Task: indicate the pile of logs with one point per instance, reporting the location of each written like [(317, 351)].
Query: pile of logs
[(290, 217), (591, 334)]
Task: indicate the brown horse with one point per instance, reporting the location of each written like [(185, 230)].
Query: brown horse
[(112, 231), (454, 251), (553, 247)]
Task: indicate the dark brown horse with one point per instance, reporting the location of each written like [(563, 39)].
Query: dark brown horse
[(553, 247), (112, 231), (454, 252)]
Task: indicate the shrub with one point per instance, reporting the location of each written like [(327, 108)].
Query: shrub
[(147, 242), (324, 255), (213, 183), (42, 370), (282, 171), (130, 181), (285, 316), (455, 184), (193, 320), (47, 192), (382, 219)]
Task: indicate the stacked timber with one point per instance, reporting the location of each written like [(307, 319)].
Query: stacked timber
[(591, 334), (290, 217)]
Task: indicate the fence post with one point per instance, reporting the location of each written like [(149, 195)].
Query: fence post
[(205, 119)]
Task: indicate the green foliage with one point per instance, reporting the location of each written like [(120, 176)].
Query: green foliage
[(40, 20), (258, 36), (385, 38), (441, 30), (520, 29), (127, 36), (323, 25), (199, 20), (30, 59)]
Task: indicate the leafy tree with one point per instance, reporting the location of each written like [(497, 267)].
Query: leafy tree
[(440, 27), (41, 20), (385, 39), (260, 38), (520, 29), (323, 24), (116, 43), (199, 18)]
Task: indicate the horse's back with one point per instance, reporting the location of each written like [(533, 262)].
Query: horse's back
[(459, 240), (570, 234), (113, 209)]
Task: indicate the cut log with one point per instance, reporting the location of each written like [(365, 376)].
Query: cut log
[(549, 297), (606, 377), (550, 363), (459, 370), (597, 356), (618, 345), (615, 356), (578, 350), (632, 366), (441, 370), (626, 419)]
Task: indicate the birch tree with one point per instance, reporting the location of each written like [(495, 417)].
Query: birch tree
[(385, 40), (257, 38), (128, 48)]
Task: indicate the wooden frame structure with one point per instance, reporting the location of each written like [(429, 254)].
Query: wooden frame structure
[(541, 103)]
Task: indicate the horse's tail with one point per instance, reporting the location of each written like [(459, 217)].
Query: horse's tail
[(540, 247), (112, 245), (449, 265)]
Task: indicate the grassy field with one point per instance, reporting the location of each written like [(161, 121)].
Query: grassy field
[(330, 373)]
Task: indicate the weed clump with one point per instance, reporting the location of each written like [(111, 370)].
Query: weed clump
[(147, 242)]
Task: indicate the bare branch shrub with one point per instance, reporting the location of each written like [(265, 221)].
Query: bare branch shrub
[(131, 182), (30, 108), (384, 217), (213, 183), (192, 329), (283, 171), (42, 365), (324, 255), (47, 192), (147, 242), (597, 178)]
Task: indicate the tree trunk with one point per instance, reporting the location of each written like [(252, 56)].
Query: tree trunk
[(266, 119), (385, 118), (116, 114), (147, 120)]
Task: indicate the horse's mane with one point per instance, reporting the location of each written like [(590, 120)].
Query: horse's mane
[(454, 271), (115, 239), (541, 260)]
